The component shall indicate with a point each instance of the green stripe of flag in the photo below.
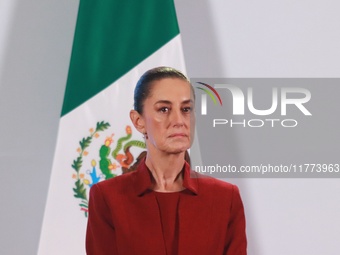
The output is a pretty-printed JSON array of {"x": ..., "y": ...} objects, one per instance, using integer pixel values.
[{"x": 111, "y": 38}]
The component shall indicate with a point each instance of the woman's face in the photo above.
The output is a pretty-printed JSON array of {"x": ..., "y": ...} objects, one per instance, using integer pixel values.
[{"x": 168, "y": 116}]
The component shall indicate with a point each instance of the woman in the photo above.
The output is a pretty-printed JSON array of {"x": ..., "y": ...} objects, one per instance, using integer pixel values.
[{"x": 164, "y": 208}]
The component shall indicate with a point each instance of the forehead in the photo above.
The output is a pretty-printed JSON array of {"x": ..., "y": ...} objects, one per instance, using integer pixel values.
[{"x": 171, "y": 88}]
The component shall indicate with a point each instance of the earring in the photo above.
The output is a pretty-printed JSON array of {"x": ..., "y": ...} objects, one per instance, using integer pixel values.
[{"x": 146, "y": 136}]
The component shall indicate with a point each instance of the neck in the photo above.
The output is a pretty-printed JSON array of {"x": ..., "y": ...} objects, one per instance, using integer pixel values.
[{"x": 166, "y": 171}]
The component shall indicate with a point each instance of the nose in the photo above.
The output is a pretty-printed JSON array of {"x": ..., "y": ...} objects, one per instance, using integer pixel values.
[{"x": 177, "y": 118}]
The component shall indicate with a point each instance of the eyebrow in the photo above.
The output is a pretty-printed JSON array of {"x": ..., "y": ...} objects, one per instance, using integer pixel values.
[{"x": 169, "y": 102}]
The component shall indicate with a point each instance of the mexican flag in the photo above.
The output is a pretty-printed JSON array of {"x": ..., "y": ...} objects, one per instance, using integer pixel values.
[{"x": 115, "y": 42}]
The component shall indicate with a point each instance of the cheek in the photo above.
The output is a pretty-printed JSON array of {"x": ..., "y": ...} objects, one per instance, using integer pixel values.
[
  {"x": 155, "y": 125},
  {"x": 192, "y": 119}
]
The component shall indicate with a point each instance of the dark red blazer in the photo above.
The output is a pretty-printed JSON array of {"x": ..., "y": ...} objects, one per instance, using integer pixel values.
[{"x": 124, "y": 217}]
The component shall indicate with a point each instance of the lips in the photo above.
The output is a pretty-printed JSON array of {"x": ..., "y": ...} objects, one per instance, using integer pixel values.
[{"x": 178, "y": 135}]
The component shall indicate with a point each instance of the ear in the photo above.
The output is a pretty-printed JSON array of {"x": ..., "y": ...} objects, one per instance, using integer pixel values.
[{"x": 137, "y": 121}]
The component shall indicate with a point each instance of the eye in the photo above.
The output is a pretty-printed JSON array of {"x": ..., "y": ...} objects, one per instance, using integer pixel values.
[
  {"x": 187, "y": 109},
  {"x": 164, "y": 109}
]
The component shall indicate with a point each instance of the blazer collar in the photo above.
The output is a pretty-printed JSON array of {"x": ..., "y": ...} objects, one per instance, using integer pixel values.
[{"x": 143, "y": 179}]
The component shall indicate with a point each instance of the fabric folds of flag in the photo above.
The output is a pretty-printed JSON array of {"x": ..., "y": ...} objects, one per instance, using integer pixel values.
[{"x": 115, "y": 42}]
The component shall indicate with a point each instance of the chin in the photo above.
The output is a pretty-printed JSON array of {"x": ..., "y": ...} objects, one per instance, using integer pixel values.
[{"x": 179, "y": 149}]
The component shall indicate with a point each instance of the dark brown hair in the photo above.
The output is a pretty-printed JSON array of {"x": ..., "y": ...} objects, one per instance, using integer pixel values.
[{"x": 143, "y": 87}]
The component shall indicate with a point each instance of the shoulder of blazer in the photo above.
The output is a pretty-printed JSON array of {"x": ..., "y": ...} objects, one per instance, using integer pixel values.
[
  {"x": 119, "y": 184},
  {"x": 216, "y": 187}
]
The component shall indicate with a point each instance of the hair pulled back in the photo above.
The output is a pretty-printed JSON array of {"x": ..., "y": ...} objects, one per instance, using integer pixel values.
[{"x": 145, "y": 82}]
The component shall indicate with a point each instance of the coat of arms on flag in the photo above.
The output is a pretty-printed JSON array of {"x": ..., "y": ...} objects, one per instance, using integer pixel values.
[{"x": 107, "y": 158}]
